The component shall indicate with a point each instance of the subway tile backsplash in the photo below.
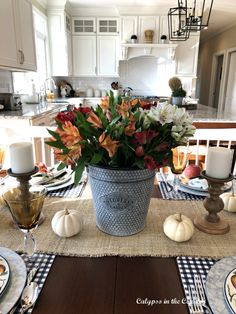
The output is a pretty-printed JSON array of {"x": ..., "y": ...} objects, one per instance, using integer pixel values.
[
  {"x": 5, "y": 82},
  {"x": 145, "y": 75}
]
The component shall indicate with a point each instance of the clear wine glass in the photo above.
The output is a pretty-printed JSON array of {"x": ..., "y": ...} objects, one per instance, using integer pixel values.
[
  {"x": 179, "y": 162},
  {"x": 26, "y": 212}
]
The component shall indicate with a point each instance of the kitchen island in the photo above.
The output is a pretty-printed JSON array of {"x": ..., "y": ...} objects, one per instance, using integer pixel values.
[{"x": 203, "y": 116}]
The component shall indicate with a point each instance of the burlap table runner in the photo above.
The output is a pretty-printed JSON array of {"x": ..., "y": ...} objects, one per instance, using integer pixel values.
[{"x": 150, "y": 242}]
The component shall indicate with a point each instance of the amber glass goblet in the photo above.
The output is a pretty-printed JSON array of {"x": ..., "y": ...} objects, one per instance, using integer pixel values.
[
  {"x": 179, "y": 162},
  {"x": 2, "y": 155},
  {"x": 26, "y": 212}
]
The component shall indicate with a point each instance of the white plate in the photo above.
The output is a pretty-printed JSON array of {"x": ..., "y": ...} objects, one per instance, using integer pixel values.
[
  {"x": 215, "y": 285},
  {"x": 64, "y": 185},
  {"x": 4, "y": 274},
  {"x": 58, "y": 178},
  {"x": 40, "y": 178},
  {"x": 201, "y": 185},
  {"x": 17, "y": 279},
  {"x": 187, "y": 189},
  {"x": 230, "y": 290}
]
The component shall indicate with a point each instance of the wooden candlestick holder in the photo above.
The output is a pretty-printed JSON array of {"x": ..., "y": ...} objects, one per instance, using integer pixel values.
[
  {"x": 212, "y": 223},
  {"x": 23, "y": 179}
]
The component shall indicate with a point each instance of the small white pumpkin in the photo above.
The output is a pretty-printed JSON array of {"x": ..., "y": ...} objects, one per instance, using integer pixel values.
[
  {"x": 229, "y": 200},
  {"x": 66, "y": 223},
  {"x": 178, "y": 227}
]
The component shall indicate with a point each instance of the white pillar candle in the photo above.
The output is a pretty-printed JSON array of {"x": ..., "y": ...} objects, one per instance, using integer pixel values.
[
  {"x": 219, "y": 162},
  {"x": 21, "y": 157}
]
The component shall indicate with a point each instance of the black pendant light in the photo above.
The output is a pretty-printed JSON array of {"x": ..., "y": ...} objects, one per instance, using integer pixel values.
[
  {"x": 198, "y": 14},
  {"x": 177, "y": 18}
]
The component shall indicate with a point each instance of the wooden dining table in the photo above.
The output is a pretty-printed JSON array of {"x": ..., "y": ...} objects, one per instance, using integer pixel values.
[{"x": 113, "y": 285}]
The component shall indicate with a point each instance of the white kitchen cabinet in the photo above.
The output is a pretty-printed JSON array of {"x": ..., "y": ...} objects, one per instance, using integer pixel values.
[
  {"x": 84, "y": 55},
  {"x": 17, "y": 35},
  {"x": 186, "y": 56},
  {"x": 83, "y": 25},
  {"x": 128, "y": 27},
  {"x": 107, "y": 26},
  {"x": 94, "y": 54},
  {"x": 60, "y": 42},
  {"x": 148, "y": 23},
  {"x": 107, "y": 55}
]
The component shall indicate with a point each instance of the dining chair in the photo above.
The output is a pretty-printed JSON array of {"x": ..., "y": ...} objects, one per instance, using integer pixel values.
[
  {"x": 37, "y": 135},
  {"x": 204, "y": 138}
]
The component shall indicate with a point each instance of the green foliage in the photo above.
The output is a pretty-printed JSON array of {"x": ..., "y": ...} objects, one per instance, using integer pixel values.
[{"x": 179, "y": 92}]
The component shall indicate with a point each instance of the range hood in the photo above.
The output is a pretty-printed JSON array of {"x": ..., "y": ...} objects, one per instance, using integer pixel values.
[{"x": 166, "y": 51}]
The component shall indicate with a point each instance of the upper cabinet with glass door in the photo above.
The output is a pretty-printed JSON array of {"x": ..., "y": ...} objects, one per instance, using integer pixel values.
[
  {"x": 107, "y": 26},
  {"x": 83, "y": 25},
  {"x": 17, "y": 35}
]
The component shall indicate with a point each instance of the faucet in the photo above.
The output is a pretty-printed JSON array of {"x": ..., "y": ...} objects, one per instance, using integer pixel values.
[{"x": 46, "y": 84}]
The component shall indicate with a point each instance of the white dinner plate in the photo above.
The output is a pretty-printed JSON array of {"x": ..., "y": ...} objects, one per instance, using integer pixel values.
[
  {"x": 59, "y": 178},
  {"x": 17, "y": 279},
  {"x": 40, "y": 178},
  {"x": 4, "y": 274},
  {"x": 63, "y": 185},
  {"x": 230, "y": 290},
  {"x": 215, "y": 285},
  {"x": 200, "y": 185},
  {"x": 186, "y": 189}
]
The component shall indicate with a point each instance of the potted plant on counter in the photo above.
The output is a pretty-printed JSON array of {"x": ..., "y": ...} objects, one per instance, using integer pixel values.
[
  {"x": 178, "y": 93},
  {"x": 163, "y": 39},
  {"x": 133, "y": 39},
  {"x": 122, "y": 145}
]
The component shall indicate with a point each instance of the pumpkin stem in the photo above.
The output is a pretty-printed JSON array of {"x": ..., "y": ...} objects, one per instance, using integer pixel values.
[
  {"x": 179, "y": 217},
  {"x": 66, "y": 211}
]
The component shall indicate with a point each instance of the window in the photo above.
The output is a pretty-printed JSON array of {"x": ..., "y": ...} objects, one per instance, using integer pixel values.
[{"x": 23, "y": 81}]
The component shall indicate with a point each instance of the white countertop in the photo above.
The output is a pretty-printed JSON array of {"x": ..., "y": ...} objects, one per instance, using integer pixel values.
[{"x": 29, "y": 111}]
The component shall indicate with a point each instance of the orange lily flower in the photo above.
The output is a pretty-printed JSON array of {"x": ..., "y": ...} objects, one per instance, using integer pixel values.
[
  {"x": 105, "y": 103},
  {"x": 62, "y": 157},
  {"x": 75, "y": 152},
  {"x": 134, "y": 102},
  {"x": 108, "y": 144},
  {"x": 70, "y": 134},
  {"x": 123, "y": 109},
  {"x": 94, "y": 119},
  {"x": 130, "y": 129}
]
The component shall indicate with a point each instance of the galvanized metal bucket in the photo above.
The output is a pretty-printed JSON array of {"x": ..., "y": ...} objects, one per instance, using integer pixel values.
[{"x": 121, "y": 199}]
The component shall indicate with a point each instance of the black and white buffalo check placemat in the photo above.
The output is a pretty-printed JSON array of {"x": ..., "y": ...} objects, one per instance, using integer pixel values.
[
  {"x": 41, "y": 261},
  {"x": 69, "y": 191},
  {"x": 190, "y": 266},
  {"x": 168, "y": 193}
]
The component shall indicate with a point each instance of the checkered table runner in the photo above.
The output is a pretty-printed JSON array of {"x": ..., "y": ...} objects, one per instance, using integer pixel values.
[
  {"x": 41, "y": 261},
  {"x": 69, "y": 191},
  {"x": 167, "y": 191},
  {"x": 190, "y": 266}
]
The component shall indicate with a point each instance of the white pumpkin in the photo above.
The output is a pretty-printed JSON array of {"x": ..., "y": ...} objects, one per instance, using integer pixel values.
[
  {"x": 66, "y": 223},
  {"x": 178, "y": 227},
  {"x": 229, "y": 200}
]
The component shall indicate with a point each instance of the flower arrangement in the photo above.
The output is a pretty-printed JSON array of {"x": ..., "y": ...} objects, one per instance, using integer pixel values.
[{"x": 119, "y": 133}]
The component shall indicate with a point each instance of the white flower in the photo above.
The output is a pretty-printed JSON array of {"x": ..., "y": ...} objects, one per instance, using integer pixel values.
[{"x": 163, "y": 113}]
